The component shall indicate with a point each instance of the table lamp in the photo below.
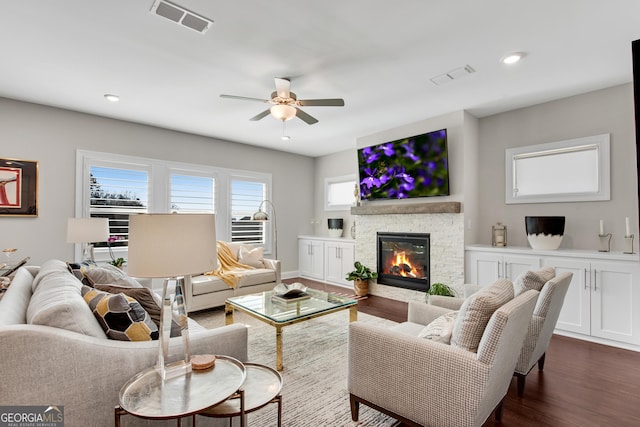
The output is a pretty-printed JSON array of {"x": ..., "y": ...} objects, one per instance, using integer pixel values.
[
  {"x": 87, "y": 231},
  {"x": 171, "y": 246}
]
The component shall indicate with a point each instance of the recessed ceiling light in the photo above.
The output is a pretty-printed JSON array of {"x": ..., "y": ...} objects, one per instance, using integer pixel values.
[
  {"x": 111, "y": 98},
  {"x": 285, "y": 137},
  {"x": 512, "y": 58}
]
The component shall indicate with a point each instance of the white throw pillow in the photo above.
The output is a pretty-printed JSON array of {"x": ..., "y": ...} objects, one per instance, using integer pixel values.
[
  {"x": 252, "y": 257},
  {"x": 440, "y": 329}
]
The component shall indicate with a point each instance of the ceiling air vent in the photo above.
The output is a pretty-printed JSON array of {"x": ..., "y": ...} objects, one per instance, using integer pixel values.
[
  {"x": 451, "y": 75},
  {"x": 181, "y": 16}
]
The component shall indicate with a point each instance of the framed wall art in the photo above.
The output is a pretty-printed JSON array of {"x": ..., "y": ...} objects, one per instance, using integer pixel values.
[{"x": 18, "y": 187}]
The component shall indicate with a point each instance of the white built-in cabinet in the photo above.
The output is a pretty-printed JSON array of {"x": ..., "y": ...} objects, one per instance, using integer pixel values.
[
  {"x": 326, "y": 259},
  {"x": 603, "y": 300}
]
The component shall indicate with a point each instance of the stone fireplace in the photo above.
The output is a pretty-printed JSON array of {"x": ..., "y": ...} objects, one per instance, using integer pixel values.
[{"x": 445, "y": 226}]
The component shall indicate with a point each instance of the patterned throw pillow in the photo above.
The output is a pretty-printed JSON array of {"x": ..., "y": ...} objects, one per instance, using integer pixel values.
[
  {"x": 533, "y": 280},
  {"x": 440, "y": 329},
  {"x": 476, "y": 312},
  {"x": 121, "y": 316},
  {"x": 252, "y": 257},
  {"x": 149, "y": 300}
]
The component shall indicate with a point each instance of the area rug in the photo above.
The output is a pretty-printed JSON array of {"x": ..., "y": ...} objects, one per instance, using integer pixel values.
[{"x": 315, "y": 369}]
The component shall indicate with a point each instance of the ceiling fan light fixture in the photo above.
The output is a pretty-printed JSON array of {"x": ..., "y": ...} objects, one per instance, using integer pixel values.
[{"x": 283, "y": 112}]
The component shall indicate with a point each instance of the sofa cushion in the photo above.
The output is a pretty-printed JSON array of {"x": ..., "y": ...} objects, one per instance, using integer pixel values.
[
  {"x": 109, "y": 274},
  {"x": 51, "y": 266},
  {"x": 440, "y": 329},
  {"x": 256, "y": 277},
  {"x": 121, "y": 317},
  {"x": 251, "y": 256},
  {"x": 57, "y": 302},
  {"x": 14, "y": 303},
  {"x": 532, "y": 280},
  {"x": 476, "y": 312},
  {"x": 206, "y": 284}
]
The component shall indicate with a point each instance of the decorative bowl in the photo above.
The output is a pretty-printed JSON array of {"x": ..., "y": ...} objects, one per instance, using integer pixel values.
[
  {"x": 544, "y": 232},
  {"x": 287, "y": 291}
]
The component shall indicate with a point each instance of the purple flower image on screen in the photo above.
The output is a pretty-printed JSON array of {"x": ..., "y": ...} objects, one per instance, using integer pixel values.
[{"x": 410, "y": 167}]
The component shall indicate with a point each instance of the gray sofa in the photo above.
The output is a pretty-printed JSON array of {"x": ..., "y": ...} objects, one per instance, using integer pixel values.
[
  {"x": 54, "y": 352},
  {"x": 205, "y": 291}
]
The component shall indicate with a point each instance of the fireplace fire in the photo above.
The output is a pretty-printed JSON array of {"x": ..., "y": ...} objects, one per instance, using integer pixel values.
[{"x": 403, "y": 260}]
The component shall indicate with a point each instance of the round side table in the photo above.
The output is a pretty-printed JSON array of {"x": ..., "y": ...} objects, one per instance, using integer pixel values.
[
  {"x": 146, "y": 395},
  {"x": 261, "y": 387}
]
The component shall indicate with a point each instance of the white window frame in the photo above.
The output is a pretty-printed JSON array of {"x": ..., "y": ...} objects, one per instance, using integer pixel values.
[
  {"x": 550, "y": 154},
  {"x": 338, "y": 180},
  {"x": 269, "y": 227},
  {"x": 159, "y": 188}
]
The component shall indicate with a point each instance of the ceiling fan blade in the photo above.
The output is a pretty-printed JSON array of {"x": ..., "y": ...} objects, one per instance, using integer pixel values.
[
  {"x": 262, "y": 115},
  {"x": 305, "y": 117},
  {"x": 244, "y": 98},
  {"x": 283, "y": 87},
  {"x": 336, "y": 102}
]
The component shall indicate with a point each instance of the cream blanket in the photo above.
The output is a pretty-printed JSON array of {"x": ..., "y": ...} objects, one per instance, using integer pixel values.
[{"x": 230, "y": 269}]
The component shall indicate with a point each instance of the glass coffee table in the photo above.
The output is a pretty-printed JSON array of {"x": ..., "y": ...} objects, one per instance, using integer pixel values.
[{"x": 275, "y": 312}]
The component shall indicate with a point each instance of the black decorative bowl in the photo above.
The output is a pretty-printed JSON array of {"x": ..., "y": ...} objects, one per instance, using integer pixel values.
[{"x": 544, "y": 232}]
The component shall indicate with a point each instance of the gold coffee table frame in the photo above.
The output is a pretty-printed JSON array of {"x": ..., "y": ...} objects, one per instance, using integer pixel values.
[{"x": 279, "y": 314}]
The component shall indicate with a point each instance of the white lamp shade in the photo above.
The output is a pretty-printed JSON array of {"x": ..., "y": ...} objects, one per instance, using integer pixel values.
[
  {"x": 171, "y": 245},
  {"x": 283, "y": 112},
  {"x": 87, "y": 230}
]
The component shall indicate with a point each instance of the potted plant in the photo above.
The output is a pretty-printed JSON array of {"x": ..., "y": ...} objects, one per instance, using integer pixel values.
[
  {"x": 360, "y": 277},
  {"x": 440, "y": 289}
]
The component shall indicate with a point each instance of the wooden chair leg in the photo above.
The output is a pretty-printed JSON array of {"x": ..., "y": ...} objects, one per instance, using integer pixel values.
[
  {"x": 355, "y": 407},
  {"x": 498, "y": 411},
  {"x": 541, "y": 362},
  {"x": 521, "y": 380}
]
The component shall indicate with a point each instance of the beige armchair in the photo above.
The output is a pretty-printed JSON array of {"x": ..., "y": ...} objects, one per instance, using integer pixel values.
[
  {"x": 422, "y": 382},
  {"x": 543, "y": 322}
]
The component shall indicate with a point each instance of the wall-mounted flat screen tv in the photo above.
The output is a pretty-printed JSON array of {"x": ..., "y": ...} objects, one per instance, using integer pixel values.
[{"x": 416, "y": 166}]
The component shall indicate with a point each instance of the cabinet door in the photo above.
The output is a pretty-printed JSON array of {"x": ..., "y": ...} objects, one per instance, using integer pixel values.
[
  {"x": 514, "y": 265},
  {"x": 576, "y": 313},
  {"x": 338, "y": 261},
  {"x": 615, "y": 302},
  {"x": 482, "y": 268},
  {"x": 310, "y": 258}
]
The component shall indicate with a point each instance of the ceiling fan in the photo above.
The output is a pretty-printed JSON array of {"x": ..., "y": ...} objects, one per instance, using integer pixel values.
[{"x": 285, "y": 103}]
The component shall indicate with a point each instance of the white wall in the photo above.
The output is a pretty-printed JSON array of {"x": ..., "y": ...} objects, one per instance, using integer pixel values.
[
  {"x": 603, "y": 111},
  {"x": 334, "y": 165},
  {"x": 51, "y": 136}
]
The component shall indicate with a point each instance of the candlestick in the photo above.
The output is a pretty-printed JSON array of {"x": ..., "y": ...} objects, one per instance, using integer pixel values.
[
  {"x": 627, "y": 228},
  {"x": 605, "y": 242},
  {"x": 628, "y": 243}
]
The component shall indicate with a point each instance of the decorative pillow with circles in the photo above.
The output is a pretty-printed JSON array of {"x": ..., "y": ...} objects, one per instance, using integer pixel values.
[
  {"x": 440, "y": 329},
  {"x": 251, "y": 256}
]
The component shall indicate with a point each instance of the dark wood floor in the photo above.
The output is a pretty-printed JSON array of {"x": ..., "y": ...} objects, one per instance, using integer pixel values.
[{"x": 583, "y": 384}]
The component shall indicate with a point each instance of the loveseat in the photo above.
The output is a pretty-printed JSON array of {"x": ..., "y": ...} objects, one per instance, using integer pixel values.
[
  {"x": 54, "y": 352},
  {"x": 206, "y": 291}
]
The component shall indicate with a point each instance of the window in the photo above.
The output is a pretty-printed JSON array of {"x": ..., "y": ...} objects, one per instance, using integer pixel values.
[
  {"x": 565, "y": 171},
  {"x": 246, "y": 198},
  {"x": 116, "y": 186},
  {"x": 339, "y": 193},
  {"x": 192, "y": 193},
  {"x": 116, "y": 193}
]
